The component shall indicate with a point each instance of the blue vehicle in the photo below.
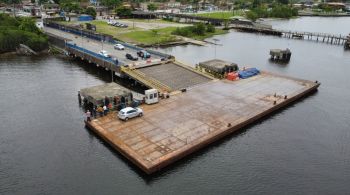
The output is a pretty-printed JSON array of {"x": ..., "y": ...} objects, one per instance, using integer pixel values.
[{"x": 143, "y": 54}]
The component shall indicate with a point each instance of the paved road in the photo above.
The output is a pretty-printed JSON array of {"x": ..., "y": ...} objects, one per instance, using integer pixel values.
[{"x": 97, "y": 46}]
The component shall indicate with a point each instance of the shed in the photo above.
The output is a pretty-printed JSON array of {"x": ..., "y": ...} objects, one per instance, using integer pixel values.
[
  {"x": 218, "y": 67},
  {"x": 97, "y": 94}
]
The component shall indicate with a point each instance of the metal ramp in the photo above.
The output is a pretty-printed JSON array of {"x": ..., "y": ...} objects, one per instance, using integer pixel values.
[{"x": 146, "y": 80}]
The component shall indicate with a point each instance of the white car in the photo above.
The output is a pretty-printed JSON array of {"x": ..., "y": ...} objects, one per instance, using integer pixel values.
[
  {"x": 129, "y": 112},
  {"x": 119, "y": 46},
  {"x": 104, "y": 54}
]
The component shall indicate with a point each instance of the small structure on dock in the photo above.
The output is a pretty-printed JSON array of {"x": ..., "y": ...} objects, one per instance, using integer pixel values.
[
  {"x": 280, "y": 55},
  {"x": 97, "y": 94},
  {"x": 217, "y": 68}
]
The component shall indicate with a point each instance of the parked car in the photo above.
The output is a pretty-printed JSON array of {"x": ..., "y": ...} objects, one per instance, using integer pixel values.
[
  {"x": 104, "y": 54},
  {"x": 131, "y": 57},
  {"x": 129, "y": 112},
  {"x": 119, "y": 46},
  {"x": 143, "y": 54}
]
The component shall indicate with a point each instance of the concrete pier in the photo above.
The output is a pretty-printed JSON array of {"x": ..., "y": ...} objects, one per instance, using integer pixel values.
[{"x": 186, "y": 122}]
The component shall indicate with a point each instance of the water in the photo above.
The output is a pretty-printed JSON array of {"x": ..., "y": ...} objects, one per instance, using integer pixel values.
[{"x": 303, "y": 149}]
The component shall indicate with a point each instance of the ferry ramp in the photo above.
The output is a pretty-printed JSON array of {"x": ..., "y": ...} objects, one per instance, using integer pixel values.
[{"x": 175, "y": 75}]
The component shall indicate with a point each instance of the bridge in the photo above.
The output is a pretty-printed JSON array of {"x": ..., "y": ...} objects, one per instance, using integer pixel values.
[{"x": 161, "y": 71}]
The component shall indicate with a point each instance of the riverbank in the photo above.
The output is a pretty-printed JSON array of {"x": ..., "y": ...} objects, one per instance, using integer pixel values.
[{"x": 20, "y": 30}]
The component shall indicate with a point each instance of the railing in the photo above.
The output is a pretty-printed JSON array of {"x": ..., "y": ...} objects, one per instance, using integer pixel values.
[{"x": 115, "y": 62}]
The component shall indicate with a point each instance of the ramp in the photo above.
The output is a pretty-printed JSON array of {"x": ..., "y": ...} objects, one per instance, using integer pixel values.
[{"x": 175, "y": 75}]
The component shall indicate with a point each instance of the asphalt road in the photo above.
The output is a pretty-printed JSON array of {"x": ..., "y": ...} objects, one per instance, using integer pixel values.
[{"x": 97, "y": 46}]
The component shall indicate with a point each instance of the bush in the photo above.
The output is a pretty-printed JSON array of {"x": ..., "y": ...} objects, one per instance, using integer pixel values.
[
  {"x": 210, "y": 28},
  {"x": 198, "y": 29},
  {"x": 123, "y": 11},
  {"x": 90, "y": 11}
]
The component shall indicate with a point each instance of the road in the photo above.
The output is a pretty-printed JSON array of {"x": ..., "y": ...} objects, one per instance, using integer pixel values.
[{"x": 97, "y": 46}]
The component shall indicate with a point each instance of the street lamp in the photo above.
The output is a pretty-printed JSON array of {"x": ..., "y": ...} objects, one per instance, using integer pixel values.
[{"x": 215, "y": 40}]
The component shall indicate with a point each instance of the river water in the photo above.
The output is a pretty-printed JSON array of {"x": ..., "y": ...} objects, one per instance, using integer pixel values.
[{"x": 302, "y": 149}]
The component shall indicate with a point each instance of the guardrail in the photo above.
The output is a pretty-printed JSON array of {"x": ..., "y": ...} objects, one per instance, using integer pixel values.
[{"x": 96, "y": 55}]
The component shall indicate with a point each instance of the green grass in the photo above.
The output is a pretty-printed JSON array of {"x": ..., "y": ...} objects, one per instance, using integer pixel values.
[
  {"x": 149, "y": 21},
  {"x": 103, "y": 27},
  {"x": 149, "y": 37},
  {"x": 221, "y": 15},
  {"x": 160, "y": 36}
]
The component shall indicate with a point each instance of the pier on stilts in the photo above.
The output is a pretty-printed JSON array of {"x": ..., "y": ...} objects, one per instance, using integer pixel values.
[{"x": 312, "y": 36}]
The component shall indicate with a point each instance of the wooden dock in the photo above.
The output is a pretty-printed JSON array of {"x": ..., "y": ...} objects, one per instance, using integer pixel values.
[
  {"x": 189, "y": 121},
  {"x": 318, "y": 37}
]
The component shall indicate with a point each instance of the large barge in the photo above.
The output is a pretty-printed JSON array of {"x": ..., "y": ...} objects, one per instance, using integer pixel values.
[{"x": 189, "y": 121}]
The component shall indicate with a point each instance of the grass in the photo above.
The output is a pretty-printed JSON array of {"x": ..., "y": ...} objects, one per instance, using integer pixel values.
[
  {"x": 221, "y": 15},
  {"x": 143, "y": 37},
  {"x": 103, "y": 27},
  {"x": 149, "y": 37},
  {"x": 148, "y": 21}
]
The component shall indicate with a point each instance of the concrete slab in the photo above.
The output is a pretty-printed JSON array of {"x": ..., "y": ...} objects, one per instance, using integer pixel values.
[{"x": 186, "y": 122}]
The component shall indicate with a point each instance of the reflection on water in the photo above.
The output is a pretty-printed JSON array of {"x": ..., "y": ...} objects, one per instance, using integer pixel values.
[{"x": 303, "y": 149}]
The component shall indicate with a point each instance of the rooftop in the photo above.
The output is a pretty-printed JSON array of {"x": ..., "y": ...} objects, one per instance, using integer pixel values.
[{"x": 99, "y": 92}]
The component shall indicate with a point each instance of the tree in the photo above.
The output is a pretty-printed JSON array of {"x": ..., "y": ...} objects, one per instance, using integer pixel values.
[
  {"x": 152, "y": 7},
  {"x": 90, "y": 11},
  {"x": 123, "y": 11},
  {"x": 111, "y": 4},
  {"x": 28, "y": 24},
  {"x": 283, "y": 1}
]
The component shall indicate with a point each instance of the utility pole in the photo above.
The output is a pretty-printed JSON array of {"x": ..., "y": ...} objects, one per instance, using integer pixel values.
[{"x": 215, "y": 40}]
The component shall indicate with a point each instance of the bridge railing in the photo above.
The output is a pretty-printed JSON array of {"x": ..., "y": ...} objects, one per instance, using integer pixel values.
[{"x": 96, "y": 55}]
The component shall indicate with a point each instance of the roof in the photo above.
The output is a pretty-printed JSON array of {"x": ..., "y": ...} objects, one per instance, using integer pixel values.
[
  {"x": 216, "y": 63},
  {"x": 126, "y": 109},
  {"x": 99, "y": 92}
]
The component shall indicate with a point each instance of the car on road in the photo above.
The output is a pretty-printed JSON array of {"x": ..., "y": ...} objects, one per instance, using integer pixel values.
[
  {"x": 143, "y": 54},
  {"x": 131, "y": 57},
  {"x": 119, "y": 46},
  {"x": 129, "y": 112},
  {"x": 104, "y": 54}
]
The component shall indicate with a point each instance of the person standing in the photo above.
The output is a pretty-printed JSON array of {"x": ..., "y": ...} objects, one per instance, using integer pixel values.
[
  {"x": 106, "y": 101},
  {"x": 105, "y": 110},
  {"x": 94, "y": 114},
  {"x": 79, "y": 98},
  {"x": 88, "y": 115}
]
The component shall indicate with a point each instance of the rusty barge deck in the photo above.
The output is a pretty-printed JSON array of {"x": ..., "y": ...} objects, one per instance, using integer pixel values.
[{"x": 186, "y": 122}]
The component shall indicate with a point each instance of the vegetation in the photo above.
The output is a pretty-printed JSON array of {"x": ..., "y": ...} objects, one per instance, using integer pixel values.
[
  {"x": 198, "y": 31},
  {"x": 15, "y": 31},
  {"x": 90, "y": 11},
  {"x": 123, "y": 11},
  {"x": 278, "y": 11},
  {"x": 152, "y": 7},
  {"x": 221, "y": 15},
  {"x": 149, "y": 37},
  {"x": 111, "y": 4}
]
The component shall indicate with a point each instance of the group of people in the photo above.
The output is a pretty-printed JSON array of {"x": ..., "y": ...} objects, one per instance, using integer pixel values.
[
  {"x": 93, "y": 111},
  {"x": 101, "y": 110}
]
